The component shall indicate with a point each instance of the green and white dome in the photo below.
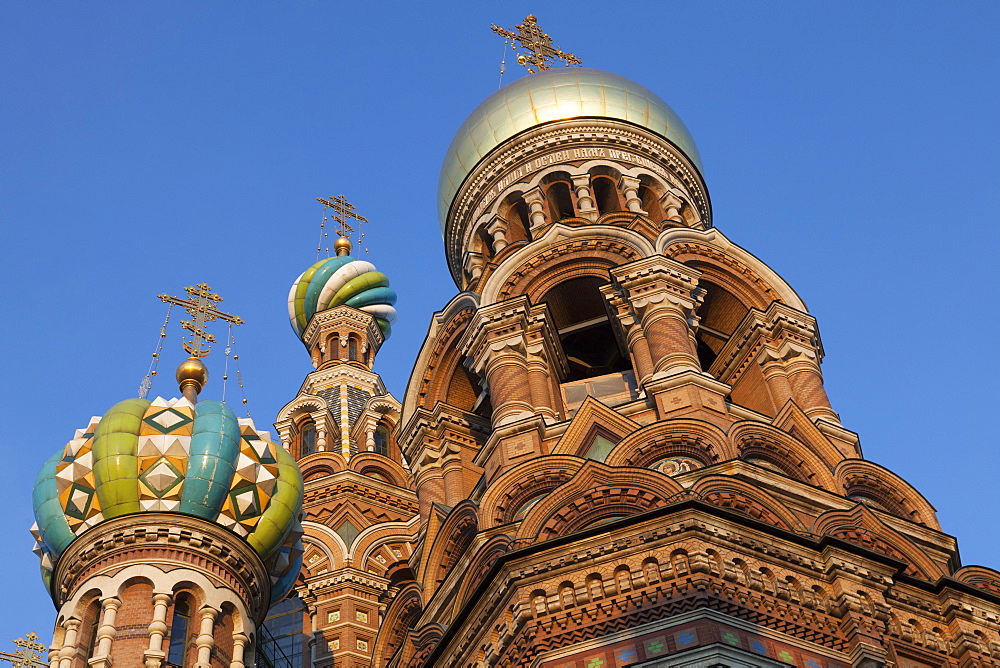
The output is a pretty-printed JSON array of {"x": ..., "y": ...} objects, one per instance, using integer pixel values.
[
  {"x": 341, "y": 280},
  {"x": 173, "y": 456}
]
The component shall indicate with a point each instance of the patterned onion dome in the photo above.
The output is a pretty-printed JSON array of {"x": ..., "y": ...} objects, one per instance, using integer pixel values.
[
  {"x": 173, "y": 456},
  {"x": 341, "y": 280},
  {"x": 554, "y": 95}
]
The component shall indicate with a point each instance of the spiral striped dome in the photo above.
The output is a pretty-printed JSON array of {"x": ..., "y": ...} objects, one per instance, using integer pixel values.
[
  {"x": 341, "y": 280},
  {"x": 173, "y": 456}
]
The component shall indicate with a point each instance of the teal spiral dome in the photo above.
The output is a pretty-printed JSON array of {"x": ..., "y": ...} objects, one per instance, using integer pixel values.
[
  {"x": 173, "y": 456},
  {"x": 341, "y": 280}
]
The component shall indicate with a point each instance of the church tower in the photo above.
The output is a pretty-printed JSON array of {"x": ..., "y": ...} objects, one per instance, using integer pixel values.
[
  {"x": 360, "y": 509},
  {"x": 621, "y": 446},
  {"x": 167, "y": 528}
]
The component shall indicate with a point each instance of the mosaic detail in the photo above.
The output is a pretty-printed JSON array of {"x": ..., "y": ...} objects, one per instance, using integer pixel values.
[{"x": 676, "y": 465}]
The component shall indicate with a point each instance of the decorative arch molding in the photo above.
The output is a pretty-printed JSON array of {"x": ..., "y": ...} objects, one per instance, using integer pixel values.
[
  {"x": 439, "y": 355},
  {"x": 511, "y": 491},
  {"x": 301, "y": 405},
  {"x": 591, "y": 251},
  {"x": 400, "y": 619},
  {"x": 734, "y": 268},
  {"x": 979, "y": 577},
  {"x": 792, "y": 420},
  {"x": 861, "y": 526},
  {"x": 328, "y": 540},
  {"x": 742, "y": 497},
  {"x": 451, "y": 541},
  {"x": 590, "y": 417},
  {"x": 865, "y": 479},
  {"x": 597, "y": 492},
  {"x": 678, "y": 437},
  {"x": 382, "y": 534},
  {"x": 753, "y": 439},
  {"x": 485, "y": 556},
  {"x": 321, "y": 464},
  {"x": 372, "y": 462}
]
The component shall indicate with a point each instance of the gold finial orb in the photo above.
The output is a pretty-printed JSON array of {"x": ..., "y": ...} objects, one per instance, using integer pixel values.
[
  {"x": 342, "y": 246},
  {"x": 192, "y": 375}
]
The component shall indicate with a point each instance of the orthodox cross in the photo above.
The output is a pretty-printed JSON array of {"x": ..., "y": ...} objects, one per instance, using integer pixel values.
[
  {"x": 201, "y": 305},
  {"x": 537, "y": 43},
  {"x": 29, "y": 652},
  {"x": 342, "y": 212}
]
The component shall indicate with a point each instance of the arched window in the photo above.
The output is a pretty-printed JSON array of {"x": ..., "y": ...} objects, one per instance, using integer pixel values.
[
  {"x": 179, "y": 628},
  {"x": 307, "y": 438},
  {"x": 352, "y": 349},
  {"x": 382, "y": 439}
]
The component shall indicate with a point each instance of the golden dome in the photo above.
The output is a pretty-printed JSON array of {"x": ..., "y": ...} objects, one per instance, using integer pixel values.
[{"x": 554, "y": 95}]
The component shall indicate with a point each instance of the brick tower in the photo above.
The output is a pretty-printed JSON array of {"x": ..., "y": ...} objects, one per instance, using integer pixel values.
[
  {"x": 621, "y": 445},
  {"x": 360, "y": 508}
]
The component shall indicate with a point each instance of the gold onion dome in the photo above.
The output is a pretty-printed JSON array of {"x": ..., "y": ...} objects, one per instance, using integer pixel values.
[{"x": 554, "y": 95}]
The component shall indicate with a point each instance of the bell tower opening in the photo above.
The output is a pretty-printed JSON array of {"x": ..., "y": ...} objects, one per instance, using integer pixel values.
[
  {"x": 585, "y": 331},
  {"x": 720, "y": 314}
]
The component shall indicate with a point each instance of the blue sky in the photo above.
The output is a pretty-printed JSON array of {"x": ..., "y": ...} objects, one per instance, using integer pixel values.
[{"x": 853, "y": 146}]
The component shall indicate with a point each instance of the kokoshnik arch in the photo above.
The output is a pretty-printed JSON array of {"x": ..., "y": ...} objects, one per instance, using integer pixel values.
[{"x": 615, "y": 449}]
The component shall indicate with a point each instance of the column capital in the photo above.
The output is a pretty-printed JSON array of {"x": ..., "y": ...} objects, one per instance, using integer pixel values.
[{"x": 658, "y": 280}]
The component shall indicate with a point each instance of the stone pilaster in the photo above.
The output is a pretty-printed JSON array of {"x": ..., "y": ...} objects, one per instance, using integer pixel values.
[
  {"x": 155, "y": 655},
  {"x": 535, "y": 199},
  {"x": 497, "y": 230},
  {"x": 105, "y": 633}
]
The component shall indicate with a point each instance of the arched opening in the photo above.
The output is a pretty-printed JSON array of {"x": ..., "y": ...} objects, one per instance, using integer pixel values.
[
  {"x": 382, "y": 439},
  {"x": 352, "y": 348},
  {"x": 606, "y": 194},
  {"x": 93, "y": 619},
  {"x": 558, "y": 195},
  {"x": 651, "y": 203},
  {"x": 515, "y": 211},
  {"x": 585, "y": 331},
  {"x": 180, "y": 626},
  {"x": 720, "y": 313},
  {"x": 306, "y": 438}
]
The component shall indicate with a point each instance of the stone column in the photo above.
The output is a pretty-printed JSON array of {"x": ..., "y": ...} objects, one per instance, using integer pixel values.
[
  {"x": 105, "y": 633},
  {"x": 497, "y": 229},
  {"x": 474, "y": 264},
  {"x": 535, "y": 199},
  {"x": 663, "y": 295},
  {"x": 239, "y": 649},
  {"x": 320, "y": 435},
  {"x": 68, "y": 651},
  {"x": 206, "y": 640},
  {"x": 370, "y": 439},
  {"x": 584, "y": 198},
  {"x": 629, "y": 185},
  {"x": 672, "y": 203},
  {"x": 155, "y": 655}
]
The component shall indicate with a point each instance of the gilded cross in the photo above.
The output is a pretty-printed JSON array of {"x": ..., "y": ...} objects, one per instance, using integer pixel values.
[
  {"x": 201, "y": 305},
  {"x": 537, "y": 43},
  {"x": 342, "y": 212},
  {"x": 29, "y": 652}
]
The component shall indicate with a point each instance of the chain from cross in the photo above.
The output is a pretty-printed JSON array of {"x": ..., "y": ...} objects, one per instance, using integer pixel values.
[
  {"x": 538, "y": 44},
  {"x": 202, "y": 306},
  {"x": 29, "y": 653},
  {"x": 342, "y": 212}
]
